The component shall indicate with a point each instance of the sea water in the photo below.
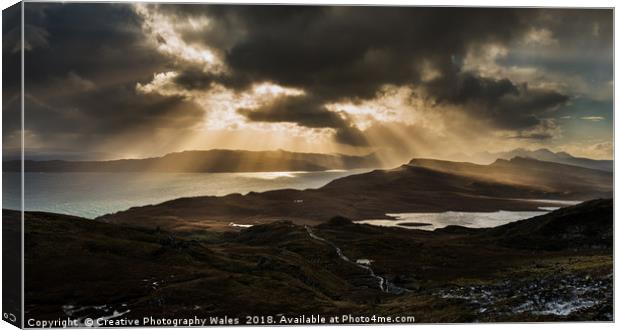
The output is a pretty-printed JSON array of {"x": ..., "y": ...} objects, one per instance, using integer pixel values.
[{"x": 94, "y": 194}]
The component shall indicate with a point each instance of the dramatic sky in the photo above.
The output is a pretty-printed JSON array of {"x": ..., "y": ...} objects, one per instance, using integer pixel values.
[{"x": 122, "y": 80}]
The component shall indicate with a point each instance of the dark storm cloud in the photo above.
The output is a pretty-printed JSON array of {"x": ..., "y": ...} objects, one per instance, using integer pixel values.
[
  {"x": 92, "y": 39},
  {"x": 82, "y": 66},
  {"x": 508, "y": 105},
  {"x": 307, "y": 111},
  {"x": 120, "y": 111},
  {"x": 465, "y": 88},
  {"x": 193, "y": 78},
  {"x": 84, "y": 60},
  {"x": 348, "y": 53},
  {"x": 295, "y": 108}
]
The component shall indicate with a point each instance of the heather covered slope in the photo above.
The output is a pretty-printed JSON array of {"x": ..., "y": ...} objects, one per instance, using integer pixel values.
[
  {"x": 421, "y": 186},
  {"x": 587, "y": 225},
  {"x": 73, "y": 264}
]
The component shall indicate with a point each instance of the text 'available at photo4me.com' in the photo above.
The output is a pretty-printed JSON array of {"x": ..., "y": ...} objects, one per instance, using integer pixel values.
[{"x": 315, "y": 319}]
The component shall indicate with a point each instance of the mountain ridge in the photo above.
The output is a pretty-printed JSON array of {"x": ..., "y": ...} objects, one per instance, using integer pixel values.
[
  {"x": 545, "y": 154},
  {"x": 418, "y": 187},
  {"x": 210, "y": 161},
  {"x": 530, "y": 172}
]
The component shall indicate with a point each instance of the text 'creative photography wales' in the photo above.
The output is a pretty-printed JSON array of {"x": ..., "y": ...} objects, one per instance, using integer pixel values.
[{"x": 175, "y": 164}]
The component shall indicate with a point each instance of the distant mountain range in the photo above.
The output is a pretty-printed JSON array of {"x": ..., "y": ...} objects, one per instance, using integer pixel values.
[
  {"x": 423, "y": 185},
  {"x": 548, "y": 156},
  {"x": 207, "y": 161}
]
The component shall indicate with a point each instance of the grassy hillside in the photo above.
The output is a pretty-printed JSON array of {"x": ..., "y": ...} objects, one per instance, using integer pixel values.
[{"x": 279, "y": 267}]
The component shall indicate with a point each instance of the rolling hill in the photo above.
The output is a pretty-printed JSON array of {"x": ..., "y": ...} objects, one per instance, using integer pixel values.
[
  {"x": 82, "y": 268},
  {"x": 420, "y": 186},
  {"x": 568, "y": 180}
]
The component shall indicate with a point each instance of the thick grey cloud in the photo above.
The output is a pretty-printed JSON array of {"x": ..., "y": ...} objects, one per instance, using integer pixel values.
[
  {"x": 507, "y": 105},
  {"x": 84, "y": 61},
  {"x": 307, "y": 111},
  {"x": 348, "y": 53},
  {"x": 81, "y": 69},
  {"x": 120, "y": 110}
]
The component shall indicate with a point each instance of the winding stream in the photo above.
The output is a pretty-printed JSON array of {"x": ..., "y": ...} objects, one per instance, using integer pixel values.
[{"x": 384, "y": 284}]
